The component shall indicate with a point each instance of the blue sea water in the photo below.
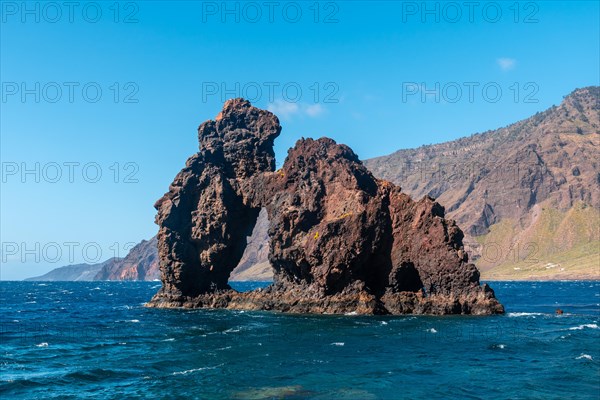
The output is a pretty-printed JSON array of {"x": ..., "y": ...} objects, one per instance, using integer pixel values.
[{"x": 62, "y": 340}]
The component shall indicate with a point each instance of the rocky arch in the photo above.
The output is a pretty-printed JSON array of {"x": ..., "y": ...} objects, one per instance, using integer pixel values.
[
  {"x": 206, "y": 215},
  {"x": 341, "y": 241},
  {"x": 254, "y": 264}
]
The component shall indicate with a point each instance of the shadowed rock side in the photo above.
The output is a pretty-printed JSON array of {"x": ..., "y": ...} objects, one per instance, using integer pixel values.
[
  {"x": 205, "y": 217},
  {"x": 341, "y": 241}
]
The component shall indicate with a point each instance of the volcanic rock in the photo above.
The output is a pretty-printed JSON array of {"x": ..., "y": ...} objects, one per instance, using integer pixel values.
[
  {"x": 205, "y": 217},
  {"x": 341, "y": 241}
]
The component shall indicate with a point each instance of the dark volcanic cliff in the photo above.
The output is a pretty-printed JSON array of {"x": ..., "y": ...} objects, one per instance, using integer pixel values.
[{"x": 341, "y": 241}]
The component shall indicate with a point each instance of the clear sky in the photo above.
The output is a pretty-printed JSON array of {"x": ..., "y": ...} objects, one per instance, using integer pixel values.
[{"x": 101, "y": 102}]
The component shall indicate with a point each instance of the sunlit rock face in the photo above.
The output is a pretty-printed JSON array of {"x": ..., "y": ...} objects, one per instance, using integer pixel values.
[{"x": 341, "y": 241}]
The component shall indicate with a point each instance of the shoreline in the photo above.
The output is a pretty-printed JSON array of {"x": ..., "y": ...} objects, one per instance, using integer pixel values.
[{"x": 482, "y": 279}]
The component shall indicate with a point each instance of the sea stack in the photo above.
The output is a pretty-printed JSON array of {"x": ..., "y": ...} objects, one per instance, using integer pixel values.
[{"x": 341, "y": 241}]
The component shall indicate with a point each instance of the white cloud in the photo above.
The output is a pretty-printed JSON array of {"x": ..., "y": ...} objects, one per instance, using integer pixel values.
[
  {"x": 287, "y": 110},
  {"x": 314, "y": 110},
  {"x": 506, "y": 64},
  {"x": 283, "y": 109}
]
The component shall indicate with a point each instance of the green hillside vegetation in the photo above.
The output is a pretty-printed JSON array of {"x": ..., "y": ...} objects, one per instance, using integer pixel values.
[{"x": 554, "y": 245}]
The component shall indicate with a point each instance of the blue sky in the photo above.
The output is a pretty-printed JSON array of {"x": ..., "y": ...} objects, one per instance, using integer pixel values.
[{"x": 378, "y": 76}]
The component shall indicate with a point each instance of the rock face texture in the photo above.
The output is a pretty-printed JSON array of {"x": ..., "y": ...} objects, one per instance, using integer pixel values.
[
  {"x": 526, "y": 195},
  {"x": 340, "y": 240},
  {"x": 206, "y": 216}
]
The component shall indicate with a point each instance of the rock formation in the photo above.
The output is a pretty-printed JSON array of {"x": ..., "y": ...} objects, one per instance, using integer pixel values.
[
  {"x": 526, "y": 195},
  {"x": 341, "y": 241},
  {"x": 206, "y": 216}
]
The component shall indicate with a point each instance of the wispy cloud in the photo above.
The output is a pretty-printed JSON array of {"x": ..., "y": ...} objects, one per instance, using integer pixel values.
[
  {"x": 287, "y": 110},
  {"x": 506, "y": 64},
  {"x": 283, "y": 109},
  {"x": 314, "y": 110}
]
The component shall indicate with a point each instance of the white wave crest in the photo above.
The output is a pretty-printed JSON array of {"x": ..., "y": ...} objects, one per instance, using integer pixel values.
[
  {"x": 189, "y": 371},
  {"x": 583, "y": 326},
  {"x": 523, "y": 314}
]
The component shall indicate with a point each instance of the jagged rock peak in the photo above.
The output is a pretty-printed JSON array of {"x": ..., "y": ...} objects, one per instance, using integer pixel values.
[{"x": 241, "y": 136}]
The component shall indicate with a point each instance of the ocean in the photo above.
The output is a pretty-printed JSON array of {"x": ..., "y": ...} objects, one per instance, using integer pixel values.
[{"x": 72, "y": 340}]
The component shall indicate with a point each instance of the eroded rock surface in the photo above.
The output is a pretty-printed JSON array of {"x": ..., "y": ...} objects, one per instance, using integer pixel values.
[
  {"x": 341, "y": 241},
  {"x": 205, "y": 217}
]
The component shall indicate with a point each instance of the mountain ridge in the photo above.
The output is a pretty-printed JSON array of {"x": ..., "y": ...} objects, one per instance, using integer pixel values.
[
  {"x": 513, "y": 178},
  {"x": 74, "y": 272}
]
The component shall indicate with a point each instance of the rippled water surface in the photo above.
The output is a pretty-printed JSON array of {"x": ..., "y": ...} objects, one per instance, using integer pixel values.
[{"x": 96, "y": 340}]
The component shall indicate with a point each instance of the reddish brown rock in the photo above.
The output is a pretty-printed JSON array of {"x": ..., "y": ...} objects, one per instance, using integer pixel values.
[
  {"x": 327, "y": 217},
  {"x": 430, "y": 269},
  {"x": 341, "y": 241},
  {"x": 205, "y": 217}
]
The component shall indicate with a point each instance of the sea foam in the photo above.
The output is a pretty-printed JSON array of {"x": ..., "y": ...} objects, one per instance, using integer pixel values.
[
  {"x": 583, "y": 326},
  {"x": 523, "y": 314}
]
